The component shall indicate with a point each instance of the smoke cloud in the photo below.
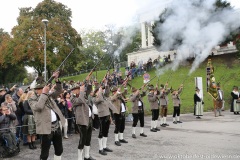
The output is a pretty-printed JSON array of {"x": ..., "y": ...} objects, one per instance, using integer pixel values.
[
  {"x": 126, "y": 39},
  {"x": 199, "y": 27}
]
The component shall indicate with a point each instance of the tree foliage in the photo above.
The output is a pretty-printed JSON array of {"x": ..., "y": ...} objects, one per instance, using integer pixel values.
[
  {"x": 61, "y": 37},
  {"x": 7, "y": 69}
]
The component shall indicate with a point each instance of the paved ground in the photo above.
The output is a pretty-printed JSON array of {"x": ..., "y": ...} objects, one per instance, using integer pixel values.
[{"x": 206, "y": 138}]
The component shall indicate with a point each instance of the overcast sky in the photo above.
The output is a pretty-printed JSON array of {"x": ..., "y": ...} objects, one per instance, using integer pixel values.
[{"x": 85, "y": 13}]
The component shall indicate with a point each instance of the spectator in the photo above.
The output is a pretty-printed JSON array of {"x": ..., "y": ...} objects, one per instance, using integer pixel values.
[
  {"x": 3, "y": 93},
  {"x": 20, "y": 112},
  {"x": 175, "y": 55},
  {"x": 149, "y": 64},
  {"x": 64, "y": 109},
  {"x": 29, "y": 127},
  {"x": 5, "y": 121},
  {"x": 68, "y": 102},
  {"x": 169, "y": 57},
  {"x": 12, "y": 107},
  {"x": 140, "y": 68},
  {"x": 235, "y": 96}
]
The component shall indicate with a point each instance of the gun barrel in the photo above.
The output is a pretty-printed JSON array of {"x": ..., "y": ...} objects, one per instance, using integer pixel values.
[
  {"x": 148, "y": 82},
  {"x": 51, "y": 78}
]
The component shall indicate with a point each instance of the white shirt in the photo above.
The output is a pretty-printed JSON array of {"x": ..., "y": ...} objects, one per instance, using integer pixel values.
[
  {"x": 220, "y": 94},
  {"x": 90, "y": 112},
  {"x": 53, "y": 116},
  {"x": 123, "y": 108},
  {"x": 139, "y": 103}
]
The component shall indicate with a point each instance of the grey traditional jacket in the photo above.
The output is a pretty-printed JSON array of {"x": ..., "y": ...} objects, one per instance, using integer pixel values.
[
  {"x": 176, "y": 98},
  {"x": 164, "y": 97},
  {"x": 153, "y": 100},
  {"x": 41, "y": 106},
  {"x": 81, "y": 109},
  {"x": 135, "y": 100},
  {"x": 100, "y": 102}
]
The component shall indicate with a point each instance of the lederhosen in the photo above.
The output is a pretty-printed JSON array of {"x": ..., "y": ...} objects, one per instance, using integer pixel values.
[
  {"x": 104, "y": 125},
  {"x": 140, "y": 115},
  {"x": 155, "y": 112},
  {"x": 85, "y": 133},
  {"x": 176, "y": 109},
  {"x": 164, "y": 107},
  {"x": 120, "y": 118}
]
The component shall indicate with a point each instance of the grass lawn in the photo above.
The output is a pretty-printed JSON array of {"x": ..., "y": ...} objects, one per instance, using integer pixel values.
[{"x": 226, "y": 72}]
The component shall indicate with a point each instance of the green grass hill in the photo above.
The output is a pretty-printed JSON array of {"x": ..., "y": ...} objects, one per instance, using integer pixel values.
[{"x": 226, "y": 72}]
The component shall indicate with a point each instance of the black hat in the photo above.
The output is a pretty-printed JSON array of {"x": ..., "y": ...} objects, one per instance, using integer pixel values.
[
  {"x": 75, "y": 86},
  {"x": 151, "y": 87},
  {"x": 114, "y": 89},
  {"x": 161, "y": 86},
  {"x": 38, "y": 83},
  {"x": 134, "y": 89},
  {"x": 235, "y": 87},
  {"x": 2, "y": 89}
]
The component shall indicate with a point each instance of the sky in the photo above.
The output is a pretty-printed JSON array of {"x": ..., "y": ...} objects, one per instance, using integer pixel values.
[{"x": 89, "y": 14}]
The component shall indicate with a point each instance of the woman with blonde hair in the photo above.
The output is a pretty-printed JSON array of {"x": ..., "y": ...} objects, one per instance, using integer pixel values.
[{"x": 29, "y": 127}]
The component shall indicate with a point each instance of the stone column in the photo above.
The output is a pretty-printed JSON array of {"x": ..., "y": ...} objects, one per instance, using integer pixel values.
[
  {"x": 143, "y": 28},
  {"x": 150, "y": 36},
  {"x": 149, "y": 40}
]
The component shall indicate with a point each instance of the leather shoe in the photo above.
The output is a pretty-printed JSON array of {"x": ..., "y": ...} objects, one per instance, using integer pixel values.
[
  {"x": 117, "y": 143},
  {"x": 134, "y": 136},
  {"x": 123, "y": 141},
  {"x": 162, "y": 125},
  {"x": 153, "y": 130},
  {"x": 143, "y": 135},
  {"x": 165, "y": 124},
  {"x": 175, "y": 122},
  {"x": 90, "y": 158},
  {"x": 157, "y": 129},
  {"x": 179, "y": 121},
  {"x": 102, "y": 152},
  {"x": 107, "y": 149}
]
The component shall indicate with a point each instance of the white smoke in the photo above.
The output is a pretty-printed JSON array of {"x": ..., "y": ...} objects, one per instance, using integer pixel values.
[
  {"x": 127, "y": 39},
  {"x": 33, "y": 84},
  {"x": 199, "y": 27}
]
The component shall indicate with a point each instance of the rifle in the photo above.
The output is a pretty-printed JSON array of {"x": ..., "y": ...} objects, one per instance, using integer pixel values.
[
  {"x": 185, "y": 79},
  {"x": 125, "y": 82},
  {"x": 158, "y": 81},
  {"x": 51, "y": 78},
  {"x": 169, "y": 76},
  {"x": 147, "y": 82},
  {"x": 88, "y": 76},
  {"x": 108, "y": 68}
]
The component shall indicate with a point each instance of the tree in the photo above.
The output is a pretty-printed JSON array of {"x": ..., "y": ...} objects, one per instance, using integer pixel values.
[
  {"x": 7, "y": 69},
  {"x": 133, "y": 45},
  {"x": 61, "y": 37},
  {"x": 93, "y": 44}
]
